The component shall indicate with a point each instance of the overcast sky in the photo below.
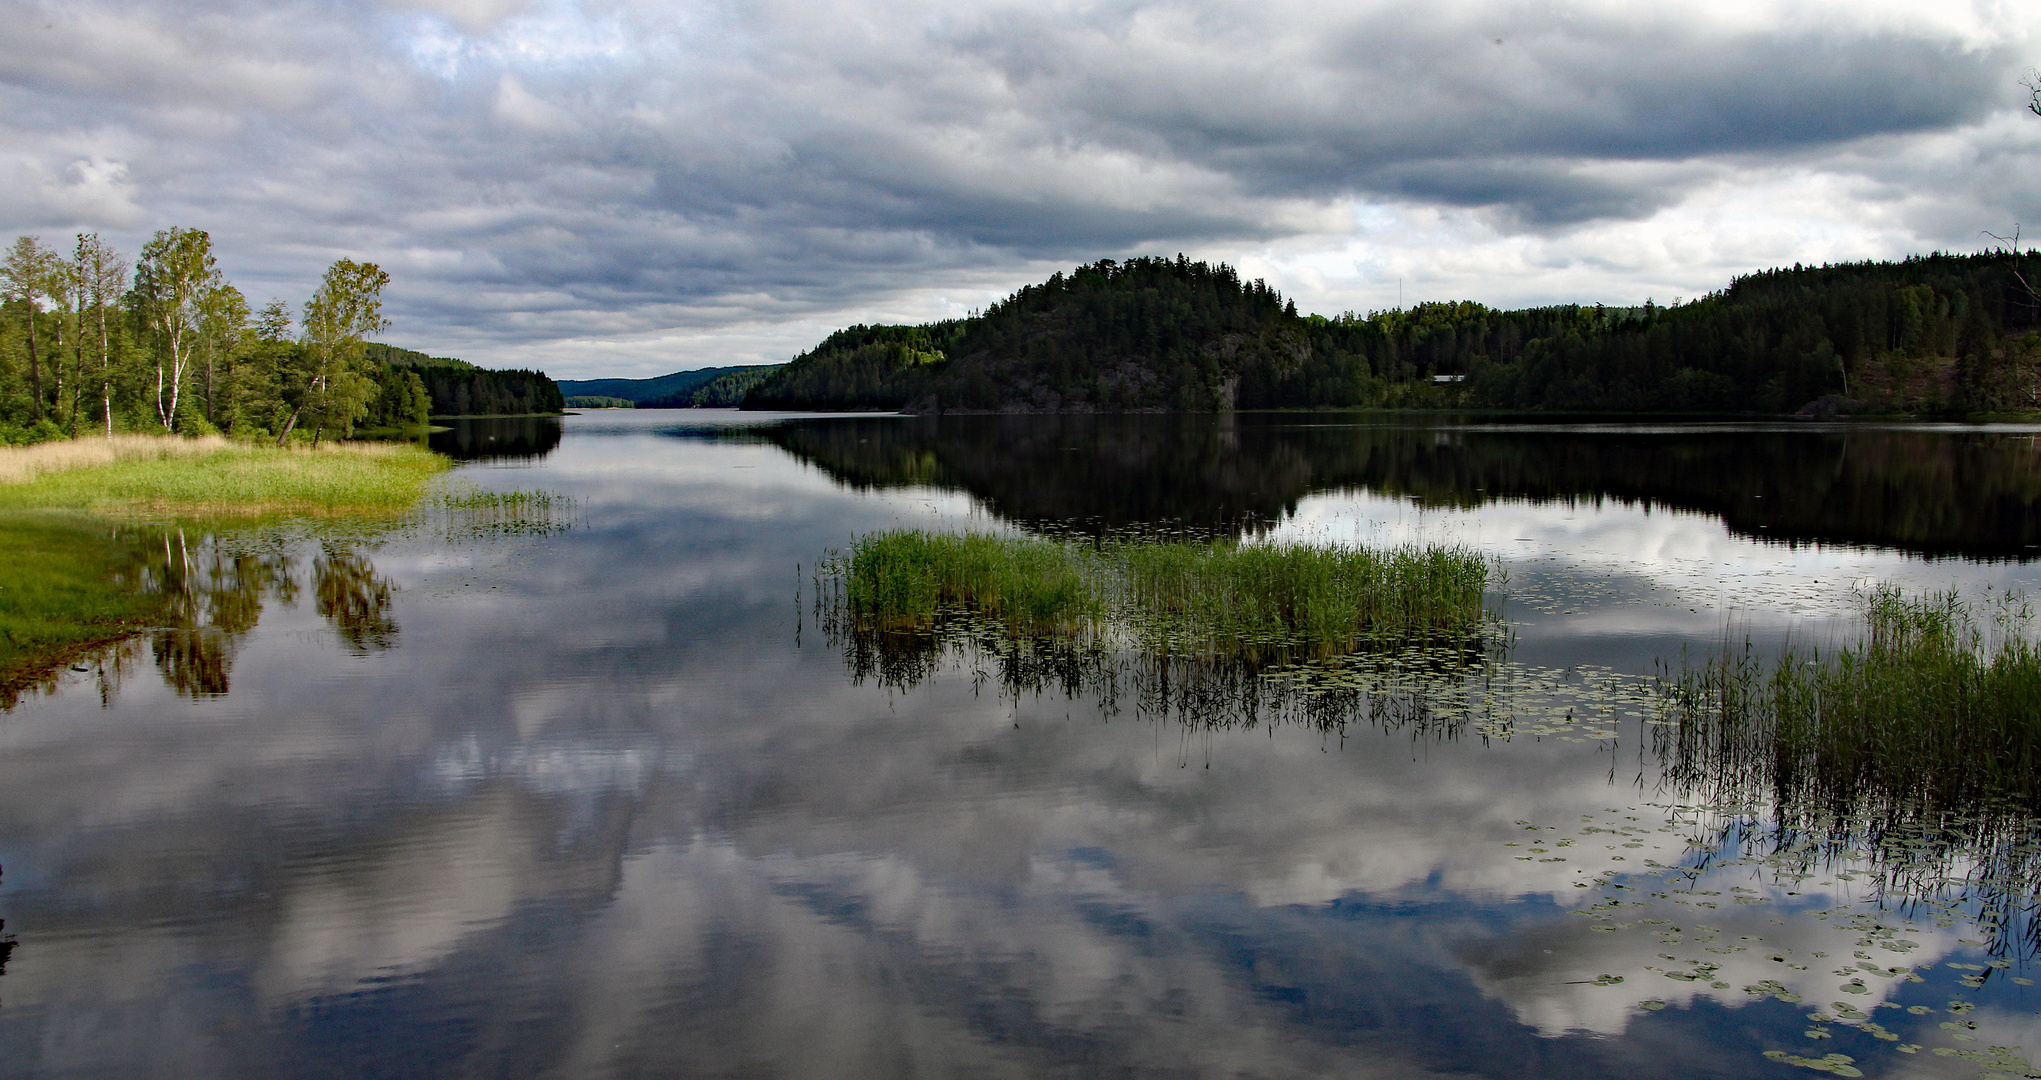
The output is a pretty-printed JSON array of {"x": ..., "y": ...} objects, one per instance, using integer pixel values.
[{"x": 629, "y": 187}]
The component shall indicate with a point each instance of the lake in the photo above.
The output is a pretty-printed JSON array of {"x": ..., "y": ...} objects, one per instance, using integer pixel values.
[{"x": 606, "y": 794}]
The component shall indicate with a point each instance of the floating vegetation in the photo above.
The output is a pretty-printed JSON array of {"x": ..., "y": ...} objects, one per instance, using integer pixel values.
[
  {"x": 460, "y": 509},
  {"x": 1911, "y": 753},
  {"x": 1841, "y": 824}
]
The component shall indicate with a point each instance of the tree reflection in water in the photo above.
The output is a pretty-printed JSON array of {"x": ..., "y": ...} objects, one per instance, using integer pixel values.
[
  {"x": 1974, "y": 494},
  {"x": 355, "y": 601},
  {"x": 211, "y": 592}
]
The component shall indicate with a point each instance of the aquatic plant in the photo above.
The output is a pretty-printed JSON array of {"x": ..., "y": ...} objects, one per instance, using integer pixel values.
[
  {"x": 1910, "y": 750},
  {"x": 1212, "y": 633},
  {"x": 458, "y": 509},
  {"x": 1219, "y": 597},
  {"x": 1927, "y": 712}
]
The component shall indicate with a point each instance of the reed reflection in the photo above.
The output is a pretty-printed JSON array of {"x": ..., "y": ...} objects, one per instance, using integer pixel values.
[{"x": 1912, "y": 753}]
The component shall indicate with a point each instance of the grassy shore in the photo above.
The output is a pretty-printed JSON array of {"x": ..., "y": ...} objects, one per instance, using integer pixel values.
[
  {"x": 167, "y": 477},
  {"x": 82, "y": 520}
]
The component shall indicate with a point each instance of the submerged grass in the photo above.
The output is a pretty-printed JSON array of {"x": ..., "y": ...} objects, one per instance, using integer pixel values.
[
  {"x": 199, "y": 478},
  {"x": 67, "y": 586}
]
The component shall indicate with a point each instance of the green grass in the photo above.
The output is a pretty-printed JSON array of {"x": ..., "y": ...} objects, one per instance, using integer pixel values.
[
  {"x": 82, "y": 539},
  {"x": 1931, "y": 710},
  {"x": 241, "y": 482},
  {"x": 1216, "y": 598},
  {"x": 68, "y": 585}
]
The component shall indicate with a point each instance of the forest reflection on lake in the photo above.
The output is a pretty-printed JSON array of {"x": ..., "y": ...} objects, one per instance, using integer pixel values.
[
  {"x": 1938, "y": 491},
  {"x": 607, "y": 801}
]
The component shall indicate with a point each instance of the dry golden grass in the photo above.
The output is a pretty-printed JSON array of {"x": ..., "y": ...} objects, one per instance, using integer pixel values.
[{"x": 22, "y": 464}]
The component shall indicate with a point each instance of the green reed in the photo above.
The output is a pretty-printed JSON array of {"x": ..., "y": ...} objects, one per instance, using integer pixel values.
[
  {"x": 1226, "y": 597},
  {"x": 1929, "y": 711},
  {"x": 910, "y": 579},
  {"x": 1213, "y": 634},
  {"x": 1218, "y": 597},
  {"x": 459, "y": 509}
]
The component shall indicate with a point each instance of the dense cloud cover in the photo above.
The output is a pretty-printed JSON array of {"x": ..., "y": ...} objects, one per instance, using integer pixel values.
[{"x": 627, "y": 187}]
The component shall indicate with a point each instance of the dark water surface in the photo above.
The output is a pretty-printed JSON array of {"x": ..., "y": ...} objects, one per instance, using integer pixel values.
[{"x": 607, "y": 802}]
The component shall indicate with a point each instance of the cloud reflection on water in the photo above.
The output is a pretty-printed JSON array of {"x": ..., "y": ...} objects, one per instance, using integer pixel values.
[{"x": 594, "y": 815}]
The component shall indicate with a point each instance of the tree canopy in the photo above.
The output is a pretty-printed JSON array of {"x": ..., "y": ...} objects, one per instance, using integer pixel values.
[
  {"x": 86, "y": 346},
  {"x": 1938, "y": 333}
]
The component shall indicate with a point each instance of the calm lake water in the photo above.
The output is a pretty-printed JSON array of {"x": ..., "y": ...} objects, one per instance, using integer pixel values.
[{"x": 603, "y": 799}]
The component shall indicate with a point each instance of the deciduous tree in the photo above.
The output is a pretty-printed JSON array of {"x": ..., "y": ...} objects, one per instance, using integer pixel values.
[
  {"x": 172, "y": 281},
  {"x": 346, "y": 309},
  {"x": 101, "y": 273}
]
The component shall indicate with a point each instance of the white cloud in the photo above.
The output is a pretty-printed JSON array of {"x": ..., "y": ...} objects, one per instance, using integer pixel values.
[{"x": 626, "y": 187}]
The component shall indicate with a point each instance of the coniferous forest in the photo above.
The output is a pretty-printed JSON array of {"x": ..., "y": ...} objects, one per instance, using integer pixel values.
[
  {"x": 95, "y": 341},
  {"x": 1936, "y": 334}
]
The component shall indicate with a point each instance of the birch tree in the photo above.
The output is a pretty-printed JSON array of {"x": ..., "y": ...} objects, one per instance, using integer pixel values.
[
  {"x": 173, "y": 278},
  {"x": 100, "y": 275}
]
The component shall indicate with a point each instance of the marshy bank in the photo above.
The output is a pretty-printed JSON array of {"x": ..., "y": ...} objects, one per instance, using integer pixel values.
[{"x": 108, "y": 543}]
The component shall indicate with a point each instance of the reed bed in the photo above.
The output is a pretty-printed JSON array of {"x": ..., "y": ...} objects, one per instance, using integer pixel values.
[
  {"x": 1931, "y": 711},
  {"x": 459, "y": 510},
  {"x": 1179, "y": 596},
  {"x": 22, "y": 464},
  {"x": 1212, "y": 634}
]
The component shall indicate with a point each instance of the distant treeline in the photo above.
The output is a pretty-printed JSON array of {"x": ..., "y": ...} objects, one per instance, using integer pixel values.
[
  {"x": 93, "y": 342},
  {"x": 462, "y": 389},
  {"x": 706, "y": 388},
  {"x": 1945, "y": 334}
]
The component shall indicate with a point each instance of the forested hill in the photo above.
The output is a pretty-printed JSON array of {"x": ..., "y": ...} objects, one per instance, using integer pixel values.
[
  {"x": 458, "y": 388},
  {"x": 1942, "y": 334}
]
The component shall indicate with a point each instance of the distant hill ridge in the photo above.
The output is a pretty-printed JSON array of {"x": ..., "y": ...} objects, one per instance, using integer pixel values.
[
  {"x": 1940, "y": 333},
  {"x": 712, "y": 387}
]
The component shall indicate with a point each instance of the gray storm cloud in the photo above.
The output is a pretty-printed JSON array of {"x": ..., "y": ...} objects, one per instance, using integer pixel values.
[{"x": 541, "y": 177}]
